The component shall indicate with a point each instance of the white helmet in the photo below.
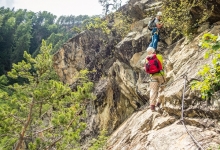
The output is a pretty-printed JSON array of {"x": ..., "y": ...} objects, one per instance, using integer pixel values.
[
  {"x": 159, "y": 13},
  {"x": 150, "y": 50}
]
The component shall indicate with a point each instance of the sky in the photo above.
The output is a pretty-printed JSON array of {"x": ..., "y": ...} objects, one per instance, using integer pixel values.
[{"x": 58, "y": 7}]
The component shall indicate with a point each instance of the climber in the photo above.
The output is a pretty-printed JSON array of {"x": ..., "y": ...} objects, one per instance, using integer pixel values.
[
  {"x": 155, "y": 35},
  {"x": 157, "y": 77},
  {"x": 153, "y": 21},
  {"x": 158, "y": 18},
  {"x": 155, "y": 25}
]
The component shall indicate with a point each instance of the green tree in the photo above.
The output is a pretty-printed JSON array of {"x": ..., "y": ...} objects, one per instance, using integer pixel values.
[
  {"x": 57, "y": 40},
  {"x": 24, "y": 30},
  {"x": 42, "y": 112},
  {"x": 20, "y": 16},
  {"x": 7, "y": 27},
  {"x": 22, "y": 39},
  {"x": 43, "y": 26}
]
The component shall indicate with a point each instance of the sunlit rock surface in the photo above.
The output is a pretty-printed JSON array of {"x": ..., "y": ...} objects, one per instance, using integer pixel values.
[{"x": 122, "y": 89}]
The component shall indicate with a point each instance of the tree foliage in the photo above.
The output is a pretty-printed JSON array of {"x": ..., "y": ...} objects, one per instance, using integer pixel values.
[
  {"x": 41, "y": 112},
  {"x": 115, "y": 24},
  {"x": 96, "y": 23},
  {"x": 122, "y": 24},
  {"x": 22, "y": 39},
  {"x": 100, "y": 142},
  {"x": 24, "y": 30},
  {"x": 210, "y": 73},
  {"x": 179, "y": 16}
]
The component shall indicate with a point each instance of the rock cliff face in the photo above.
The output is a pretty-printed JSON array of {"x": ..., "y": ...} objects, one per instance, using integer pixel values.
[
  {"x": 122, "y": 88},
  {"x": 145, "y": 130}
]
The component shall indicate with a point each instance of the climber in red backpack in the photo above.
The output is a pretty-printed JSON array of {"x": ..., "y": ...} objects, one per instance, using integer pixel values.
[{"x": 154, "y": 67}]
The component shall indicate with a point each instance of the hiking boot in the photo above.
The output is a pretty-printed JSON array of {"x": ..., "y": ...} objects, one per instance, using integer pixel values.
[
  {"x": 158, "y": 105},
  {"x": 152, "y": 107}
]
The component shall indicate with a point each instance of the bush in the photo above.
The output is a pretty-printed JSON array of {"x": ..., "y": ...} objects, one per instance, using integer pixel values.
[
  {"x": 210, "y": 73},
  {"x": 179, "y": 15}
]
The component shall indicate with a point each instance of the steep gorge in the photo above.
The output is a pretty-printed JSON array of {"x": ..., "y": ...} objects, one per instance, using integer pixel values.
[{"x": 122, "y": 88}]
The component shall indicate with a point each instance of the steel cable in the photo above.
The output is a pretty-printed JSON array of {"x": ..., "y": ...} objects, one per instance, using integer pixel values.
[{"x": 182, "y": 115}]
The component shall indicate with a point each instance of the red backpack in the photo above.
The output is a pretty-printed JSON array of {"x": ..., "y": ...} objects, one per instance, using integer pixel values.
[{"x": 153, "y": 65}]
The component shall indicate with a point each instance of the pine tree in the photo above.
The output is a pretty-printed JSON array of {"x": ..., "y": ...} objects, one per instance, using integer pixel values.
[{"x": 41, "y": 112}]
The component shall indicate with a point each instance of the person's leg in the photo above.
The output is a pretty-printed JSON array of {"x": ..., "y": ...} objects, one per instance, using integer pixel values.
[
  {"x": 151, "y": 43},
  {"x": 154, "y": 86},
  {"x": 153, "y": 37},
  {"x": 154, "y": 41},
  {"x": 160, "y": 91}
]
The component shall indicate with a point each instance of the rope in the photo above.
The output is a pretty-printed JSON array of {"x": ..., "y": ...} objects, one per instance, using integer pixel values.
[
  {"x": 182, "y": 114},
  {"x": 184, "y": 88}
]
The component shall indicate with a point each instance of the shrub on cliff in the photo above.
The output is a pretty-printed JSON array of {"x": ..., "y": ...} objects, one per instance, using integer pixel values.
[
  {"x": 209, "y": 73},
  {"x": 181, "y": 17}
]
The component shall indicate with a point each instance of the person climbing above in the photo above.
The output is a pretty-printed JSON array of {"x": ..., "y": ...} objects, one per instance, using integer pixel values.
[
  {"x": 155, "y": 35},
  {"x": 155, "y": 25},
  {"x": 158, "y": 19},
  {"x": 154, "y": 67},
  {"x": 152, "y": 23}
]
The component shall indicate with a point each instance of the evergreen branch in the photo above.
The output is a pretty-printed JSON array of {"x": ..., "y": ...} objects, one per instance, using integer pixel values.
[
  {"x": 43, "y": 130},
  {"x": 17, "y": 118},
  {"x": 7, "y": 144},
  {"x": 18, "y": 145},
  {"x": 7, "y": 135},
  {"x": 71, "y": 122},
  {"x": 45, "y": 113},
  {"x": 54, "y": 142},
  {"x": 68, "y": 126}
]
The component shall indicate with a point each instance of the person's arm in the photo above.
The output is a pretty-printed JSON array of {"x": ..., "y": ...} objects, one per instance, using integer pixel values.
[
  {"x": 145, "y": 63},
  {"x": 159, "y": 25}
]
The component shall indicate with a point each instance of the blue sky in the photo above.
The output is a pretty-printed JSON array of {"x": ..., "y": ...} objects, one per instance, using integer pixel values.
[{"x": 58, "y": 7}]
